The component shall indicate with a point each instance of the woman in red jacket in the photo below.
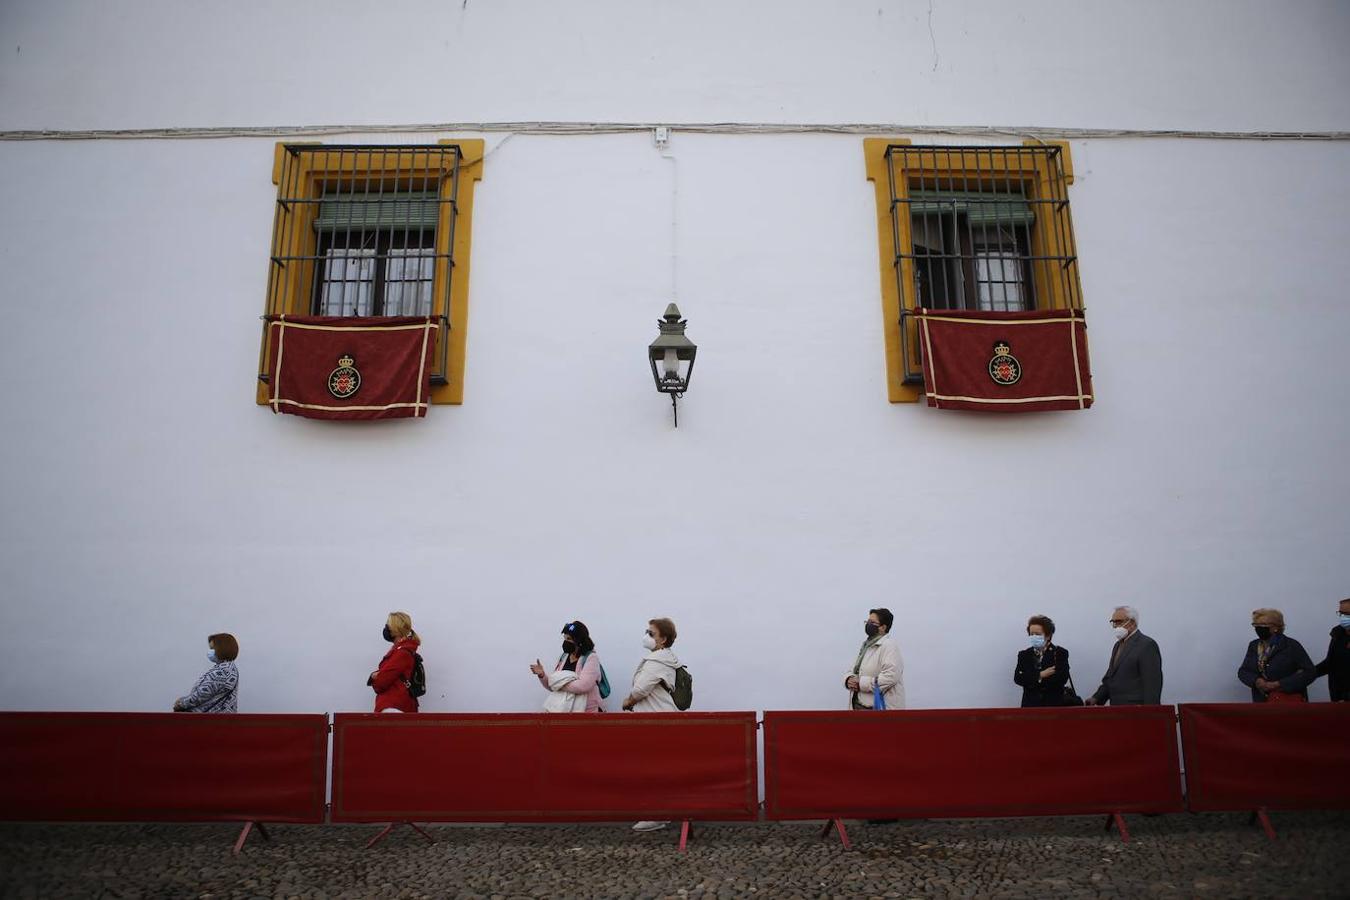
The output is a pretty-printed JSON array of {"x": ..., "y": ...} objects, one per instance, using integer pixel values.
[{"x": 390, "y": 680}]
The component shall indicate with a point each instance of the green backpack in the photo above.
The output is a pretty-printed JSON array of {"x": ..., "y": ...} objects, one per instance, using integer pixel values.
[{"x": 683, "y": 692}]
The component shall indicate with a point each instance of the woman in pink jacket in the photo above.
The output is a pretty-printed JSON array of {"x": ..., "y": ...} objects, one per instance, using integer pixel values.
[{"x": 578, "y": 655}]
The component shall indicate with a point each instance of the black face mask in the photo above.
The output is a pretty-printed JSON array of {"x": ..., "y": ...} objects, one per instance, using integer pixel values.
[
  {"x": 1262, "y": 631},
  {"x": 388, "y": 635},
  {"x": 872, "y": 629},
  {"x": 569, "y": 648}
]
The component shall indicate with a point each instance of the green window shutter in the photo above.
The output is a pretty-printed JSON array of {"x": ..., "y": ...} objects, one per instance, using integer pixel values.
[
  {"x": 374, "y": 211},
  {"x": 981, "y": 207}
]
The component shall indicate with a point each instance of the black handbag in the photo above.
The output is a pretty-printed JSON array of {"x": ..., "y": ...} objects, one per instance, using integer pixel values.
[{"x": 1070, "y": 697}]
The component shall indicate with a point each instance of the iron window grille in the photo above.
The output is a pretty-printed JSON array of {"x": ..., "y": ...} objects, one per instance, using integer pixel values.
[
  {"x": 979, "y": 228},
  {"x": 366, "y": 230}
]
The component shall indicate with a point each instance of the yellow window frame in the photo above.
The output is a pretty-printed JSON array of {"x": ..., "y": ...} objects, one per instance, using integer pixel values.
[
  {"x": 293, "y": 229},
  {"x": 1042, "y": 177}
]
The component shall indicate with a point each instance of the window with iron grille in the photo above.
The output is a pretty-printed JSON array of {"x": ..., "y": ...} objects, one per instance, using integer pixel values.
[
  {"x": 962, "y": 227},
  {"x": 376, "y": 230}
]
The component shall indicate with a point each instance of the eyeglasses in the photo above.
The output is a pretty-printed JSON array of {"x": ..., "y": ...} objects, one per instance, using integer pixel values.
[
  {"x": 650, "y": 633},
  {"x": 1119, "y": 622}
]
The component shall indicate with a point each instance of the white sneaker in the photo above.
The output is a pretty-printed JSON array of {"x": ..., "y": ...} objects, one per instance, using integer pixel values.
[{"x": 650, "y": 826}]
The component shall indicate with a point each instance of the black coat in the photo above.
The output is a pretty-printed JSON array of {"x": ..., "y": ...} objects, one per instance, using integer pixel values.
[
  {"x": 1337, "y": 664},
  {"x": 1036, "y": 692},
  {"x": 1288, "y": 663}
]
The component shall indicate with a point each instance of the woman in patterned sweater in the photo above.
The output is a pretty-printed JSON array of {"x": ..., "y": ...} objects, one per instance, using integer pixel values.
[{"x": 217, "y": 691}]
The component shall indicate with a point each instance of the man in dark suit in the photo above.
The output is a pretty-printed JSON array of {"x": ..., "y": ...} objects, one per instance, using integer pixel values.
[
  {"x": 1134, "y": 676},
  {"x": 1337, "y": 663}
]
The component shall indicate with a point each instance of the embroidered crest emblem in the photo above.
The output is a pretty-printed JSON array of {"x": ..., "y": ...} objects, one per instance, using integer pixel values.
[
  {"x": 344, "y": 380},
  {"x": 1004, "y": 368}
]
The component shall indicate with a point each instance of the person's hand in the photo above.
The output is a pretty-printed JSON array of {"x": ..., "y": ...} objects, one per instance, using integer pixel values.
[
  {"x": 852, "y": 683},
  {"x": 1091, "y": 701},
  {"x": 178, "y": 705},
  {"x": 628, "y": 704},
  {"x": 1046, "y": 673},
  {"x": 537, "y": 668},
  {"x": 1267, "y": 686}
]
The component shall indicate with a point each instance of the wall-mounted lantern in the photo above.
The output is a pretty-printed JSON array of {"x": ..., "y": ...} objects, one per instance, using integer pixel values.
[{"x": 672, "y": 358}]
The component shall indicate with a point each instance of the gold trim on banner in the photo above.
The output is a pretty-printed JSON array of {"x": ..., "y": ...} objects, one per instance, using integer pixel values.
[
  {"x": 963, "y": 321},
  {"x": 276, "y": 376},
  {"x": 422, "y": 404},
  {"x": 1077, "y": 375},
  {"x": 282, "y": 323},
  {"x": 1079, "y": 397},
  {"x": 928, "y": 359}
]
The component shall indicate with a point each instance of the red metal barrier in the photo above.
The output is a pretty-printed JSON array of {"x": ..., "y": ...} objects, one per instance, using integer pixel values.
[
  {"x": 1256, "y": 756},
  {"x": 174, "y": 767},
  {"x": 534, "y": 767},
  {"x": 971, "y": 762}
]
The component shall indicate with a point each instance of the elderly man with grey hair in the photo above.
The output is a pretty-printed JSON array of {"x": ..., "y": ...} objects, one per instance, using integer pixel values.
[{"x": 1134, "y": 676}]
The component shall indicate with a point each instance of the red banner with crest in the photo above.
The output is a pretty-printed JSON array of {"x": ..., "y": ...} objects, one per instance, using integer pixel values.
[
  {"x": 351, "y": 367},
  {"x": 1005, "y": 361}
]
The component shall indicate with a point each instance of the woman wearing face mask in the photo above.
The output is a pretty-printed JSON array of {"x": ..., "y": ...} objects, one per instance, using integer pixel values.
[
  {"x": 654, "y": 684},
  {"x": 1276, "y": 668},
  {"x": 1043, "y": 668},
  {"x": 654, "y": 680},
  {"x": 217, "y": 691},
  {"x": 579, "y": 656},
  {"x": 391, "y": 680},
  {"x": 878, "y": 665}
]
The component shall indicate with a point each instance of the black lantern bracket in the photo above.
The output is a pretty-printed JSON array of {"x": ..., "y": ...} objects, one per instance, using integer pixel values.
[{"x": 671, "y": 357}]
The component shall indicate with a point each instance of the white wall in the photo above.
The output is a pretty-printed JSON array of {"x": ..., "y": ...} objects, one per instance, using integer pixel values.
[
  {"x": 147, "y": 501},
  {"x": 1205, "y": 64}
]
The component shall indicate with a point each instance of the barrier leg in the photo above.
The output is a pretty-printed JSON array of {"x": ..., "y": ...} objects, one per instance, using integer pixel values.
[
  {"x": 391, "y": 826},
  {"x": 382, "y": 835},
  {"x": 243, "y": 835},
  {"x": 1262, "y": 816},
  {"x": 685, "y": 833},
  {"x": 839, "y": 826},
  {"x": 417, "y": 828},
  {"x": 1118, "y": 820}
]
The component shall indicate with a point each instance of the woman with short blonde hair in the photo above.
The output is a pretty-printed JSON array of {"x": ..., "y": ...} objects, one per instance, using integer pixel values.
[{"x": 1276, "y": 667}]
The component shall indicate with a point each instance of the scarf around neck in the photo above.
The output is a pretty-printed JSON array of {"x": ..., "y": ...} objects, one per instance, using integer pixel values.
[{"x": 862, "y": 651}]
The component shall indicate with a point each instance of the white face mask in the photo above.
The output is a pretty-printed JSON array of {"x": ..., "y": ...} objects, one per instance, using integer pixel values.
[
  {"x": 648, "y": 642},
  {"x": 1120, "y": 631}
]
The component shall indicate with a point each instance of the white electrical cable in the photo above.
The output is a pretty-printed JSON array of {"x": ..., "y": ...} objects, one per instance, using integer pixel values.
[
  {"x": 580, "y": 128},
  {"x": 665, "y": 152}
]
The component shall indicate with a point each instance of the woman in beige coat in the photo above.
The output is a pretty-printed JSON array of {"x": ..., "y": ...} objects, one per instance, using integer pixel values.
[
  {"x": 654, "y": 680},
  {"x": 878, "y": 664},
  {"x": 654, "y": 684}
]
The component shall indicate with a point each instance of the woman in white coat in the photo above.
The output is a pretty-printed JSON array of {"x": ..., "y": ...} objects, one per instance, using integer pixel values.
[
  {"x": 654, "y": 680},
  {"x": 878, "y": 665},
  {"x": 654, "y": 683}
]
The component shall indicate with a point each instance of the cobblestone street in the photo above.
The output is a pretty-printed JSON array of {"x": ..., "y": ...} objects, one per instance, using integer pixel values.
[{"x": 1216, "y": 855}]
